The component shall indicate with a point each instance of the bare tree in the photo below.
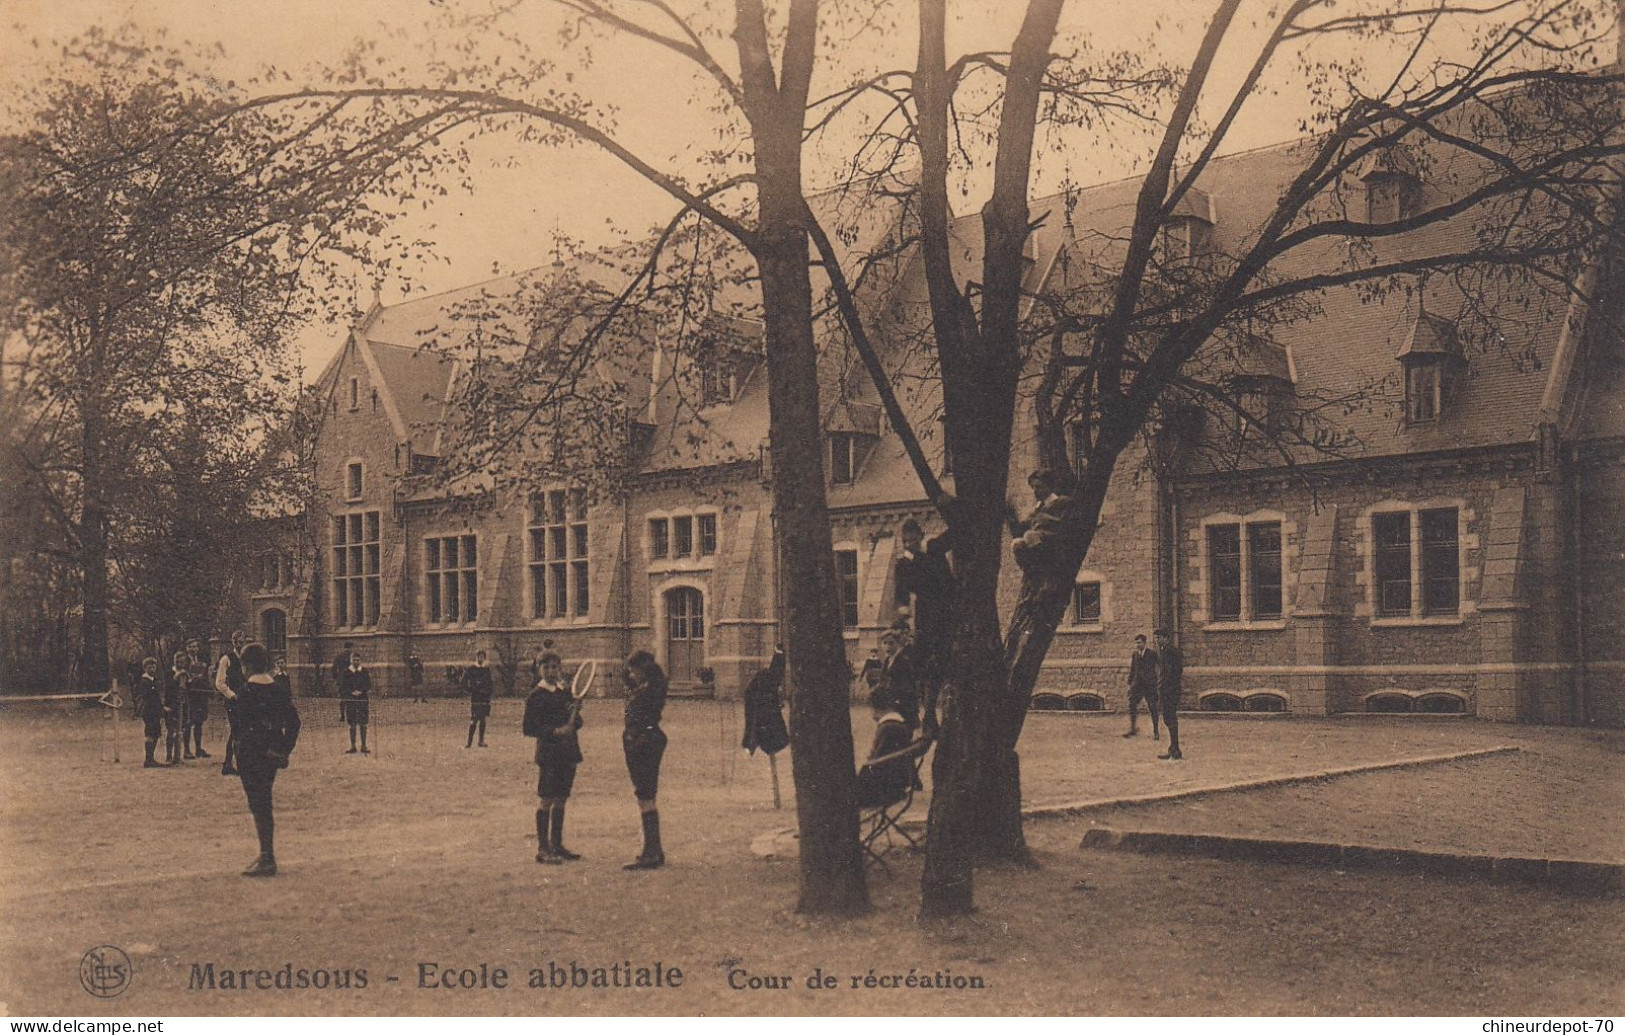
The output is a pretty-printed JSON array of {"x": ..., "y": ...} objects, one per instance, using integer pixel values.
[{"x": 1140, "y": 336}]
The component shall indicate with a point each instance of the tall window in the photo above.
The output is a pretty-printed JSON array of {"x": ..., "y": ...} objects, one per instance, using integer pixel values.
[
  {"x": 560, "y": 577},
  {"x": 843, "y": 457},
  {"x": 1421, "y": 392},
  {"x": 274, "y": 631},
  {"x": 1264, "y": 563},
  {"x": 1416, "y": 558},
  {"x": 683, "y": 535},
  {"x": 1441, "y": 562},
  {"x": 1244, "y": 572},
  {"x": 1392, "y": 560},
  {"x": 355, "y": 393},
  {"x": 357, "y": 585},
  {"x": 275, "y": 571},
  {"x": 451, "y": 578},
  {"x": 1086, "y": 603},
  {"x": 354, "y": 481},
  {"x": 846, "y": 577},
  {"x": 1224, "y": 572}
]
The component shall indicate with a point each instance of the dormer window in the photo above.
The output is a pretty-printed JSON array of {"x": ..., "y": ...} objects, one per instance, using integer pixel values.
[
  {"x": 1432, "y": 361},
  {"x": 354, "y": 481},
  {"x": 725, "y": 355},
  {"x": 844, "y": 458},
  {"x": 850, "y": 431},
  {"x": 1422, "y": 402},
  {"x": 1261, "y": 387},
  {"x": 1187, "y": 232},
  {"x": 1393, "y": 185},
  {"x": 723, "y": 375}
]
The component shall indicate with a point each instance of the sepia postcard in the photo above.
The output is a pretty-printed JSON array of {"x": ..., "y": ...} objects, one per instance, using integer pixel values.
[{"x": 812, "y": 508}]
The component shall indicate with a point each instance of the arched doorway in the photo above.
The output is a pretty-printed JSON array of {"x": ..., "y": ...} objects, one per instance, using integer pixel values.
[
  {"x": 274, "y": 631},
  {"x": 685, "y": 634}
]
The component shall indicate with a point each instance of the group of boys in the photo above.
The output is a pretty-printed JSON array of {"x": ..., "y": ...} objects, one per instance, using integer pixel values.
[{"x": 175, "y": 709}]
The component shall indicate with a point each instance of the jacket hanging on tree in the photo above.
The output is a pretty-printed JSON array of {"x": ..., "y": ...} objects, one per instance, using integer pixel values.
[{"x": 764, "y": 716}]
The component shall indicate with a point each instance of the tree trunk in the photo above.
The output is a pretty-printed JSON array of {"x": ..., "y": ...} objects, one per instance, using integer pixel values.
[
  {"x": 92, "y": 533},
  {"x": 975, "y": 669},
  {"x": 832, "y": 875},
  {"x": 1038, "y": 612}
]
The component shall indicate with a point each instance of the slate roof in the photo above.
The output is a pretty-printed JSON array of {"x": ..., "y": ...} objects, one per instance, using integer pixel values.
[{"x": 1347, "y": 347}]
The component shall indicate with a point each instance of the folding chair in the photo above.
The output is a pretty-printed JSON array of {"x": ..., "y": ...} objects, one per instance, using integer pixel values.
[{"x": 881, "y": 824}]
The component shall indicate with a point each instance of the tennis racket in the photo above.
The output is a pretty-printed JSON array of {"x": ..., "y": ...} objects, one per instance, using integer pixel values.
[{"x": 580, "y": 683}]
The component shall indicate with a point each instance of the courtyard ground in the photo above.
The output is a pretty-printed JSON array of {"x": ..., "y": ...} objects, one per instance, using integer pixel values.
[{"x": 419, "y": 854}]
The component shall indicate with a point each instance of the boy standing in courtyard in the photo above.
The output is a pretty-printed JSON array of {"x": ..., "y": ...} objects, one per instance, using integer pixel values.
[
  {"x": 478, "y": 682},
  {"x": 551, "y": 719}
]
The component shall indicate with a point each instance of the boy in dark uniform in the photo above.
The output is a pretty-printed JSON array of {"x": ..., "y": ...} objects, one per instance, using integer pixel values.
[
  {"x": 149, "y": 704},
  {"x": 279, "y": 675},
  {"x": 414, "y": 675},
  {"x": 551, "y": 718},
  {"x": 228, "y": 681},
  {"x": 925, "y": 589},
  {"x": 267, "y": 730},
  {"x": 1170, "y": 679},
  {"x": 478, "y": 681},
  {"x": 644, "y": 744},
  {"x": 198, "y": 691},
  {"x": 887, "y": 782},
  {"x": 174, "y": 702},
  {"x": 355, "y": 688},
  {"x": 899, "y": 679},
  {"x": 1142, "y": 686}
]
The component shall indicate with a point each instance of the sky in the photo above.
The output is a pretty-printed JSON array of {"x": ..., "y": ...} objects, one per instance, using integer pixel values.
[{"x": 524, "y": 195}]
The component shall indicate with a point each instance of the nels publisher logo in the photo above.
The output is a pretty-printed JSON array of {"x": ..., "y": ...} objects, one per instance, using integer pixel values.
[{"x": 105, "y": 971}]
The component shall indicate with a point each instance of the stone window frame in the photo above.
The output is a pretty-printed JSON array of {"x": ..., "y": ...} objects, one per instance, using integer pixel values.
[
  {"x": 1072, "y": 625},
  {"x": 461, "y": 573},
  {"x": 1416, "y": 696},
  {"x": 576, "y": 612},
  {"x": 850, "y": 631},
  {"x": 355, "y": 479},
  {"x": 1198, "y": 587},
  {"x": 369, "y": 580},
  {"x": 672, "y": 560},
  {"x": 1467, "y": 543}
]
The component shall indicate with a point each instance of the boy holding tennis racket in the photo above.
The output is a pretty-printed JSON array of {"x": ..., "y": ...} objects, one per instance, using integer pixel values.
[{"x": 552, "y": 716}]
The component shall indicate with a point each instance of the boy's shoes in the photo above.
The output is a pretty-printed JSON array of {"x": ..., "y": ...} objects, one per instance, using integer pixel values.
[
  {"x": 546, "y": 857},
  {"x": 262, "y": 867},
  {"x": 203, "y": 754},
  {"x": 364, "y": 751},
  {"x": 646, "y": 862},
  {"x": 482, "y": 743},
  {"x": 150, "y": 764},
  {"x": 1131, "y": 733},
  {"x": 350, "y": 752},
  {"x": 228, "y": 770},
  {"x": 565, "y": 854},
  {"x": 1173, "y": 755},
  {"x": 187, "y": 755}
]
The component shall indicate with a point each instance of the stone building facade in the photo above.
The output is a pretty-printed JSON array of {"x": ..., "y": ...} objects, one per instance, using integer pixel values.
[{"x": 1462, "y": 556}]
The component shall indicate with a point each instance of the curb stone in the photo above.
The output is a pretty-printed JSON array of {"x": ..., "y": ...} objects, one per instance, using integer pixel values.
[
  {"x": 1074, "y": 808},
  {"x": 1570, "y": 875}
]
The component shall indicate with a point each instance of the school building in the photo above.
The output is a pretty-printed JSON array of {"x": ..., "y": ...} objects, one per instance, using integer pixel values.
[{"x": 1460, "y": 553}]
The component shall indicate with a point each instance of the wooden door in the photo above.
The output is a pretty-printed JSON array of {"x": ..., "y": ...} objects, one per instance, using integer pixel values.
[{"x": 685, "y": 634}]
